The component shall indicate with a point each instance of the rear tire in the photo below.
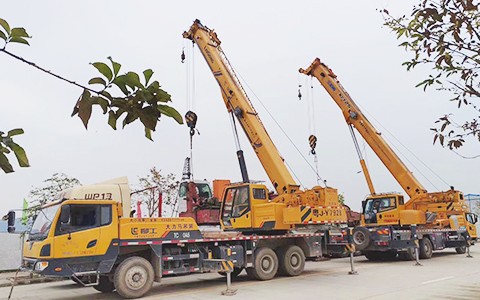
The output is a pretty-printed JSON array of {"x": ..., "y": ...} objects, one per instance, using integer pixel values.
[
  {"x": 133, "y": 277},
  {"x": 265, "y": 265},
  {"x": 105, "y": 285},
  {"x": 426, "y": 248},
  {"x": 291, "y": 260},
  {"x": 372, "y": 255},
  {"x": 461, "y": 250},
  {"x": 361, "y": 238},
  {"x": 380, "y": 255}
]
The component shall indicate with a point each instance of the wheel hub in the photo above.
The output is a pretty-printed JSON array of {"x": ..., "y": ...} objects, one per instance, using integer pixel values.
[
  {"x": 294, "y": 261},
  {"x": 267, "y": 264},
  {"x": 136, "y": 278}
]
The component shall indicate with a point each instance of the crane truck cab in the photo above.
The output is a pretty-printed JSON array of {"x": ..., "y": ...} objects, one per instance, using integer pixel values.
[
  {"x": 80, "y": 221},
  {"x": 203, "y": 189}
]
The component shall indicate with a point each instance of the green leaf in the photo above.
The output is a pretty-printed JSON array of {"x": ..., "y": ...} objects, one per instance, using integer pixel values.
[
  {"x": 148, "y": 74},
  {"x": 116, "y": 66},
  {"x": 149, "y": 117},
  {"x": 129, "y": 119},
  {"x": 14, "y": 132},
  {"x": 20, "y": 154},
  {"x": 20, "y": 40},
  {"x": 148, "y": 134},
  {"x": 133, "y": 80},
  {"x": 119, "y": 81},
  {"x": 171, "y": 112},
  {"x": 112, "y": 119},
  {"x": 106, "y": 95},
  {"x": 162, "y": 96},
  {"x": 4, "y": 164},
  {"x": 3, "y": 36},
  {"x": 5, "y": 25},
  {"x": 102, "y": 102},
  {"x": 97, "y": 80},
  {"x": 103, "y": 69},
  {"x": 85, "y": 108},
  {"x": 20, "y": 32},
  {"x": 153, "y": 86}
]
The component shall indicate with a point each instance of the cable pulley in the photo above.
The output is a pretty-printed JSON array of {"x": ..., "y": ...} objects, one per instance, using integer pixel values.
[
  {"x": 191, "y": 119},
  {"x": 182, "y": 57},
  {"x": 312, "y": 140}
]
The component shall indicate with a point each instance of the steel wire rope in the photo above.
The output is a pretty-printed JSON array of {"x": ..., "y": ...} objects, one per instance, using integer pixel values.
[
  {"x": 281, "y": 129},
  {"x": 406, "y": 148}
]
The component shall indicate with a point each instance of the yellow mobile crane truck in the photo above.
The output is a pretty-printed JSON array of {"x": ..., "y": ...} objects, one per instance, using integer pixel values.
[
  {"x": 89, "y": 235},
  {"x": 442, "y": 218}
]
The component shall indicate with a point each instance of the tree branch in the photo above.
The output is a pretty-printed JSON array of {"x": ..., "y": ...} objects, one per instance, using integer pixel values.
[{"x": 47, "y": 71}]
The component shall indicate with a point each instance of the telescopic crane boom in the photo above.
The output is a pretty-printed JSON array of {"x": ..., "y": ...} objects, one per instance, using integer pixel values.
[
  {"x": 238, "y": 104},
  {"x": 292, "y": 206},
  {"x": 423, "y": 207}
]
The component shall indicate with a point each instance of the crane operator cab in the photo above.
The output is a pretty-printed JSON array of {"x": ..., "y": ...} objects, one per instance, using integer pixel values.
[
  {"x": 247, "y": 207},
  {"x": 381, "y": 209}
]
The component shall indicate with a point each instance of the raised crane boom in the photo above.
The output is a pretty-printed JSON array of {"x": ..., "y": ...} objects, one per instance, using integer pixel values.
[
  {"x": 247, "y": 206},
  {"x": 355, "y": 117},
  {"x": 238, "y": 103}
]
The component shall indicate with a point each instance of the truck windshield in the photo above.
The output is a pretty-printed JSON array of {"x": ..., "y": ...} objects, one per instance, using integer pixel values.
[
  {"x": 380, "y": 204},
  {"x": 43, "y": 223}
]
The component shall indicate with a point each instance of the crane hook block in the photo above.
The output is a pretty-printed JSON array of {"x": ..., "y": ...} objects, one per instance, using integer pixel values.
[
  {"x": 183, "y": 56},
  {"x": 191, "y": 120},
  {"x": 312, "y": 140}
]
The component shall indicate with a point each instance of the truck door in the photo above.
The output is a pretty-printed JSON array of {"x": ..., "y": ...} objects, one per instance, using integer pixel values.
[
  {"x": 236, "y": 207},
  {"x": 472, "y": 219},
  {"x": 370, "y": 210},
  {"x": 88, "y": 231}
]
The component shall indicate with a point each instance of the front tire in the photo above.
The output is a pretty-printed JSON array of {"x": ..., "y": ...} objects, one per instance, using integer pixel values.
[
  {"x": 133, "y": 277},
  {"x": 461, "y": 250},
  {"x": 408, "y": 255},
  {"x": 265, "y": 266},
  {"x": 105, "y": 285},
  {"x": 236, "y": 271}
]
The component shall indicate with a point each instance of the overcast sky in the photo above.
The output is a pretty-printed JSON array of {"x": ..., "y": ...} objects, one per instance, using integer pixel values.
[{"x": 266, "y": 42}]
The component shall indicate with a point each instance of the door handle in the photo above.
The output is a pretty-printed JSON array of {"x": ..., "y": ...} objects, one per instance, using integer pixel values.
[{"x": 91, "y": 244}]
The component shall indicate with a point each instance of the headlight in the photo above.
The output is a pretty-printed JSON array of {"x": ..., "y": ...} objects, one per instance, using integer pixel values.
[{"x": 41, "y": 265}]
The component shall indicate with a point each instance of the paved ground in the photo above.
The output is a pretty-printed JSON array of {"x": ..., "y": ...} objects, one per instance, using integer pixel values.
[{"x": 446, "y": 276}]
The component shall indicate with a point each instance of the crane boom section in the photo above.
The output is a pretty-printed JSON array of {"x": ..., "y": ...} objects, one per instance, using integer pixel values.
[
  {"x": 355, "y": 117},
  {"x": 238, "y": 103}
]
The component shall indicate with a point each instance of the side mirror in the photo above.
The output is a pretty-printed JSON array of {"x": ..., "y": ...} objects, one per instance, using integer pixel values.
[
  {"x": 65, "y": 214},
  {"x": 11, "y": 221}
]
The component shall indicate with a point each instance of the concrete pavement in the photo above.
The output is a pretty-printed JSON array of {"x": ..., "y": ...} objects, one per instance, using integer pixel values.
[{"x": 446, "y": 276}]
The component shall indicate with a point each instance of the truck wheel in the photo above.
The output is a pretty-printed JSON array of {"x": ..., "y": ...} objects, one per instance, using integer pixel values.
[
  {"x": 388, "y": 255},
  {"x": 291, "y": 260},
  {"x": 461, "y": 250},
  {"x": 372, "y": 255},
  {"x": 133, "y": 277},
  {"x": 236, "y": 271},
  {"x": 361, "y": 238},
  {"x": 265, "y": 265},
  {"x": 426, "y": 248},
  {"x": 105, "y": 285},
  {"x": 408, "y": 255}
]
